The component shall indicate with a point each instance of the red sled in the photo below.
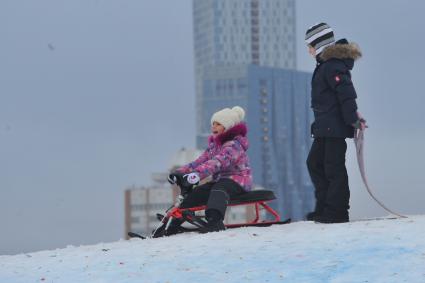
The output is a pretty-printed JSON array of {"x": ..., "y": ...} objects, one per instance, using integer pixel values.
[{"x": 258, "y": 198}]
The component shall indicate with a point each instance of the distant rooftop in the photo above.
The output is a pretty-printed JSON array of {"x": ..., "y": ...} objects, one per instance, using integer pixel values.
[{"x": 183, "y": 157}]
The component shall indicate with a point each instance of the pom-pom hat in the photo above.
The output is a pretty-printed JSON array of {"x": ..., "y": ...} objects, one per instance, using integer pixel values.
[{"x": 228, "y": 117}]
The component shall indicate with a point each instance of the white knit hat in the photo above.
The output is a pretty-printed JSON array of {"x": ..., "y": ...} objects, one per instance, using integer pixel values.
[{"x": 228, "y": 117}]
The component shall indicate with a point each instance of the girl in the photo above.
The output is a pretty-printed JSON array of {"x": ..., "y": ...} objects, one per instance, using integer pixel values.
[{"x": 226, "y": 161}]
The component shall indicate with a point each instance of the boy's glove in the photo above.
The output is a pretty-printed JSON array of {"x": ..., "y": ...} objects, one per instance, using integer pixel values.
[{"x": 360, "y": 124}]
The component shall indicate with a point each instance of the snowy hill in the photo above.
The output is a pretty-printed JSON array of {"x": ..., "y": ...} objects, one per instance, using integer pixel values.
[{"x": 362, "y": 251}]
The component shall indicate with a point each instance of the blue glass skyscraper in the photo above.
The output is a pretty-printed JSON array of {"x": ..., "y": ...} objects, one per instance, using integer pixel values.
[{"x": 241, "y": 32}]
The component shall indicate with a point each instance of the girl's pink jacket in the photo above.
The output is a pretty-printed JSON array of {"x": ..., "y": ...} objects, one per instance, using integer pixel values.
[{"x": 225, "y": 157}]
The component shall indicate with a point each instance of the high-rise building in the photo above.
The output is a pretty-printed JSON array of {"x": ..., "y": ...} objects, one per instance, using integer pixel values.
[
  {"x": 242, "y": 32},
  {"x": 245, "y": 55}
]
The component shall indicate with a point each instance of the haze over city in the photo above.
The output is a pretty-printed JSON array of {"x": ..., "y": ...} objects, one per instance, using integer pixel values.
[{"x": 97, "y": 95}]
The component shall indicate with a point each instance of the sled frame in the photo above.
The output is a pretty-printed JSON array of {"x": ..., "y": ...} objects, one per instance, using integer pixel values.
[{"x": 179, "y": 213}]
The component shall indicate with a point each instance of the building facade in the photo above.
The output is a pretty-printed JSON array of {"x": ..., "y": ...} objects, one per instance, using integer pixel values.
[
  {"x": 278, "y": 114},
  {"x": 143, "y": 203}
]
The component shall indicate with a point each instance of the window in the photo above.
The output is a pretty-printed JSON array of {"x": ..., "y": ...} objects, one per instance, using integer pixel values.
[
  {"x": 241, "y": 84},
  {"x": 137, "y": 206}
]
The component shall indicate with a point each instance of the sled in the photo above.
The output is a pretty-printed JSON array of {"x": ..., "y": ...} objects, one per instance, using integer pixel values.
[{"x": 258, "y": 198}]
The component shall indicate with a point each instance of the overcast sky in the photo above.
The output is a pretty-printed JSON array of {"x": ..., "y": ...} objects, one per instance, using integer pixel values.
[{"x": 96, "y": 95}]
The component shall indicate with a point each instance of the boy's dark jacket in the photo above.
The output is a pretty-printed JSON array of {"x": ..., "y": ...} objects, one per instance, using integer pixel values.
[{"x": 333, "y": 97}]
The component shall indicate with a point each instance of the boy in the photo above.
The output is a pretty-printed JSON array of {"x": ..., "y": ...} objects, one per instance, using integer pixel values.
[{"x": 333, "y": 100}]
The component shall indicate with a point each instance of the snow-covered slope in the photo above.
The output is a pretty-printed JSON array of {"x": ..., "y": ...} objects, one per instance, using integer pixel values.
[{"x": 363, "y": 251}]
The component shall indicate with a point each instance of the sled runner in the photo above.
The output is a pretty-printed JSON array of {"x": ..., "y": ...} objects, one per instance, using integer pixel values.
[{"x": 258, "y": 198}]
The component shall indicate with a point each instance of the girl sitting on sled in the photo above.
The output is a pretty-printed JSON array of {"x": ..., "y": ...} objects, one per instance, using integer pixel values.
[{"x": 226, "y": 161}]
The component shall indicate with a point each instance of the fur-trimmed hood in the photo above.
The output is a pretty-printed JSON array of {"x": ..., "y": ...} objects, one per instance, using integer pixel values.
[
  {"x": 341, "y": 51},
  {"x": 238, "y": 131}
]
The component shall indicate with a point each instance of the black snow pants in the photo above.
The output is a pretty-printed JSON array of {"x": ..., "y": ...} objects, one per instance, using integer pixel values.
[
  {"x": 326, "y": 165},
  {"x": 215, "y": 195}
]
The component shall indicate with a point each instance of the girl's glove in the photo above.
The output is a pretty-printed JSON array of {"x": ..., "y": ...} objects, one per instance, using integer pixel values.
[
  {"x": 184, "y": 180},
  {"x": 191, "y": 179},
  {"x": 172, "y": 178}
]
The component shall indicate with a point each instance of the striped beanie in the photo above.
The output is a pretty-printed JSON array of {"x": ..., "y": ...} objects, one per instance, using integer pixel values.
[{"x": 319, "y": 37}]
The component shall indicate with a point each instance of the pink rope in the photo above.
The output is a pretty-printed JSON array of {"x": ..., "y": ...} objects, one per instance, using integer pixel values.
[{"x": 359, "y": 143}]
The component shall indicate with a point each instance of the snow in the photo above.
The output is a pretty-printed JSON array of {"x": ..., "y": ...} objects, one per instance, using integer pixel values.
[{"x": 391, "y": 250}]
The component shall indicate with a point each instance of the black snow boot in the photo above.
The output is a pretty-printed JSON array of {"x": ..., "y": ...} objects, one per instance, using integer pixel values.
[
  {"x": 215, "y": 222},
  {"x": 332, "y": 218},
  {"x": 311, "y": 216},
  {"x": 174, "y": 228}
]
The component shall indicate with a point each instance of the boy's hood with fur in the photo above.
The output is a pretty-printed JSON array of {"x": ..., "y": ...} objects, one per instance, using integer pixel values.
[{"x": 341, "y": 51}]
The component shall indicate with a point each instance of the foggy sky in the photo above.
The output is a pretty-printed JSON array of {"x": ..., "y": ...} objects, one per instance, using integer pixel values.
[{"x": 97, "y": 95}]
